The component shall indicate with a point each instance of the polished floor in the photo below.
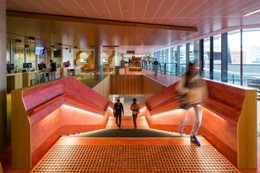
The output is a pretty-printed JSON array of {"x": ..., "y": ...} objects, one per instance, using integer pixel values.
[
  {"x": 132, "y": 155},
  {"x": 79, "y": 153}
]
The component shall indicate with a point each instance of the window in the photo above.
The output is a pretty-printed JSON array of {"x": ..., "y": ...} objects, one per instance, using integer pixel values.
[
  {"x": 234, "y": 57},
  {"x": 251, "y": 56}
]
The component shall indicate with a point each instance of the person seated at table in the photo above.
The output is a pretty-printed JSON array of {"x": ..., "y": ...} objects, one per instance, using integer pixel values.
[
  {"x": 42, "y": 66},
  {"x": 43, "y": 71}
]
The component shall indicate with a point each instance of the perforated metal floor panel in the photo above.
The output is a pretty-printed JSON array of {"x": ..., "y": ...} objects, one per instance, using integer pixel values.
[{"x": 134, "y": 158}]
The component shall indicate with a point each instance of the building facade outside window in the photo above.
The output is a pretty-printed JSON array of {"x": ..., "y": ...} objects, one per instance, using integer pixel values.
[
  {"x": 234, "y": 45},
  {"x": 251, "y": 57}
]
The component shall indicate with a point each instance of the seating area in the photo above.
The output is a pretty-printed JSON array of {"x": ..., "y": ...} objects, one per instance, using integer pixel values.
[{"x": 88, "y": 68}]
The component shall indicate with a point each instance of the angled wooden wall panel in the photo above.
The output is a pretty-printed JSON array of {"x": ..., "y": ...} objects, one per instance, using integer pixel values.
[
  {"x": 126, "y": 84},
  {"x": 36, "y": 110},
  {"x": 247, "y": 132},
  {"x": 229, "y": 120},
  {"x": 21, "y": 145},
  {"x": 134, "y": 84},
  {"x": 103, "y": 88},
  {"x": 150, "y": 86}
]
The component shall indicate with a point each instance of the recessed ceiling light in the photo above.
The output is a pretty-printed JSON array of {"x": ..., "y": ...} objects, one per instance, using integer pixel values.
[{"x": 251, "y": 13}]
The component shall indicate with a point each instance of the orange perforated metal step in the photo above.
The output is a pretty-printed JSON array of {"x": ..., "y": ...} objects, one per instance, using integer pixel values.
[{"x": 127, "y": 158}]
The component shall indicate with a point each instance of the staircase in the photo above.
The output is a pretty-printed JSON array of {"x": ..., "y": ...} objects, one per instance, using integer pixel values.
[
  {"x": 127, "y": 133},
  {"x": 128, "y": 150}
]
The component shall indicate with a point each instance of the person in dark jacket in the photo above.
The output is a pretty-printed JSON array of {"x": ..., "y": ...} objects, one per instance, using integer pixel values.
[
  {"x": 53, "y": 69},
  {"x": 118, "y": 110},
  {"x": 155, "y": 66}
]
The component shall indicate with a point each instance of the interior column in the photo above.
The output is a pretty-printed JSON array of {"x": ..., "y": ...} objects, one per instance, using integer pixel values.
[
  {"x": 98, "y": 51},
  {"x": 3, "y": 118}
]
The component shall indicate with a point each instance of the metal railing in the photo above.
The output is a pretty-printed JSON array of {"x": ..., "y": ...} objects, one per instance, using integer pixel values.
[{"x": 89, "y": 77}]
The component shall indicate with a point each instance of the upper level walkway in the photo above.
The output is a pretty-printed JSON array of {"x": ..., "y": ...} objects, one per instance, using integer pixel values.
[{"x": 165, "y": 80}]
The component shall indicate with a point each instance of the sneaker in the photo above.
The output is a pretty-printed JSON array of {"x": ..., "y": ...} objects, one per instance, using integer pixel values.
[{"x": 195, "y": 140}]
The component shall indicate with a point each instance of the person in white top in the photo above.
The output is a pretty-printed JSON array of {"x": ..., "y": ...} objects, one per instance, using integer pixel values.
[{"x": 192, "y": 91}]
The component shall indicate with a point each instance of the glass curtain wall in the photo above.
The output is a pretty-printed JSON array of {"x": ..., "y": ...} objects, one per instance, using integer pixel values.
[
  {"x": 234, "y": 45},
  {"x": 182, "y": 57},
  {"x": 161, "y": 58},
  {"x": 243, "y": 66},
  {"x": 174, "y": 60},
  {"x": 241, "y": 55},
  {"x": 157, "y": 55},
  {"x": 206, "y": 57},
  {"x": 217, "y": 57},
  {"x": 18, "y": 54},
  {"x": 164, "y": 66},
  {"x": 251, "y": 57},
  {"x": 30, "y": 57},
  {"x": 19, "y": 58},
  {"x": 194, "y": 51}
]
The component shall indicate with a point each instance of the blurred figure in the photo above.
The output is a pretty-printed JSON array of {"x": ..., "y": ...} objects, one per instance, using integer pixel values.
[
  {"x": 135, "y": 110},
  {"x": 53, "y": 70},
  {"x": 155, "y": 66},
  {"x": 118, "y": 110},
  {"x": 145, "y": 64},
  {"x": 44, "y": 74},
  {"x": 66, "y": 64},
  {"x": 42, "y": 65},
  {"x": 192, "y": 91}
]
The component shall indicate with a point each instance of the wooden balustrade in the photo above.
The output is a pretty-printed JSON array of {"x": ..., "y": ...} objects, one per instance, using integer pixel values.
[
  {"x": 229, "y": 119},
  {"x": 42, "y": 113}
]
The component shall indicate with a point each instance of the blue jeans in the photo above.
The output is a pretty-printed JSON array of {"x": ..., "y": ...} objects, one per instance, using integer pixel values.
[{"x": 53, "y": 75}]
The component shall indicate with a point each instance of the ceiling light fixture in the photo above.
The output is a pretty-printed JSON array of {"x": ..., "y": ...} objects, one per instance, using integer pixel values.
[{"x": 251, "y": 13}]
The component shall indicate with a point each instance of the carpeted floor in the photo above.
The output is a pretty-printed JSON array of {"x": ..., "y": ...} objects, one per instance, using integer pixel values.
[{"x": 127, "y": 133}]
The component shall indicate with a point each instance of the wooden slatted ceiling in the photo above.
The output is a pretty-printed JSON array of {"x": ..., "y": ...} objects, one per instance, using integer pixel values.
[
  {"x": 113, "y": 8},
  {"x": 207, "y": 15},
  {"x": 164, "y": 12},
  {"x": 139, "y": 9}
]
